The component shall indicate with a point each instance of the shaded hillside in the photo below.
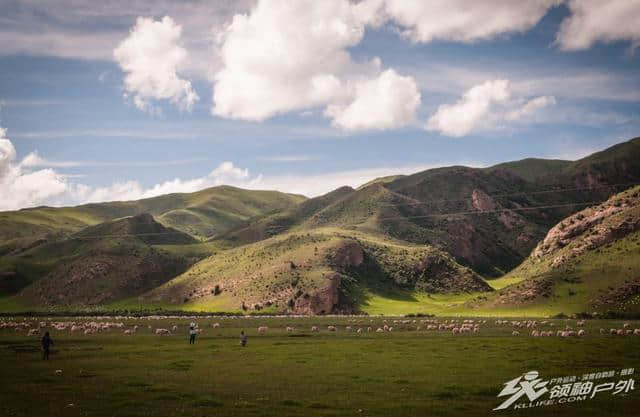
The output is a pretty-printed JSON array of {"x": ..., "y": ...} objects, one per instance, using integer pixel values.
[
  {"x": 100, "y": 263},
  {"x": 142, "y": 226},
  {"x": 589, "y": 261}
]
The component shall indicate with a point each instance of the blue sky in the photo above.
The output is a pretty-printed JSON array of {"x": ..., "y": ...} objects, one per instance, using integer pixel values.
[{"x": 515, "y": 90}]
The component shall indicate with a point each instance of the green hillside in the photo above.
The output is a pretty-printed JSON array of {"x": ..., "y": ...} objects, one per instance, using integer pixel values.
[
  {"x": 200, "y": 214},
  {"x": 101, "y": 263},
  {"x": 326, "y": 271},
  {"x": 533, "y": 169},
  {"x": 589, "y": 262}
]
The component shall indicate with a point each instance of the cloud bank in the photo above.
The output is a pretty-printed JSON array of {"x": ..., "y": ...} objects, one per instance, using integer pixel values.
[{"x": 23, "y": 185}]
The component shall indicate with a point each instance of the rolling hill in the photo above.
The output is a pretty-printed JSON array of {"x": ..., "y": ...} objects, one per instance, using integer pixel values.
[{"x": 443, "y": 235}]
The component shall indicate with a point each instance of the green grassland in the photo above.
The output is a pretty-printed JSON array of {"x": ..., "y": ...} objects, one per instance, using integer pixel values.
[{"x": 400, "y": 373}]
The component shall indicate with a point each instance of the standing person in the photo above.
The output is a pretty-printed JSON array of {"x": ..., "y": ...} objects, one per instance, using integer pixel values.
[
  {"x": 243, "y": 339},
  {"x": 192, "y": 334},
  {"x": 47, "y": 342}
]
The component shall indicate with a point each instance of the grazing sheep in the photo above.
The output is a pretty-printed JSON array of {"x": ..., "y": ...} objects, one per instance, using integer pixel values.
[
  {"x": 620, "y": 332},
  {"x": 128, "y": 332},
  {"x": 602, "y": 331},
  {"x": 580, "y": 323},
  {"x": 636, "y": 331},
  {"x": 613, "y": 331},
  {"x": 262, "y": 329},
  {"x": 368, "y": 329},
  {"x": 535, "y": 333},
  {"x": 515, "y": 333},
  {"x": 581, "y": 332},
  {"x": 348, "y": 328},
  {"x": 390, "y": 329},
  {"x": 174, "y": 328},
  {"x": 455, "y": 330},
  {"x": 379, "y": 330},
  {"x": 162, "y": 332},
  {"x": 359, "y": 330},
  {"x": 34, "y": 332},
  {"x": 315, "y": 329},
  {"x": 626, "y": 325},
  {"x": 216, "y": 325},
  {"x": 289, "y": 329},
  {"x": 628, "y": 331},
  {"x": 331, "y": 328}
]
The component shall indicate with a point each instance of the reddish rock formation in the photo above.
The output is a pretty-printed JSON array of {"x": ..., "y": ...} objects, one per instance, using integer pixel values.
[{"x": 324, "y": 301}]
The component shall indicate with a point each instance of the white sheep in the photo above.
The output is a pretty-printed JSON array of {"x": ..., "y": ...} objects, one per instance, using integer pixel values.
[
  {"x": 331, "y": 328},
  {"x": 163, "y": 332},
  {"x": 315, "y": 329},
  {"x": 262, "y": 329},
  {"x": 289, "y": 329},
  {"x": 216, "y": 325},
  {"x": 581, "y": 332},
  {"x": 515, "y": 333}
]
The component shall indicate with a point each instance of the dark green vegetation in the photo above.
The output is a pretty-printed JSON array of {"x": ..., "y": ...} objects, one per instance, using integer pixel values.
[
  {"x": 303, "y": 373},
  {"x": 435, "y": 241}
]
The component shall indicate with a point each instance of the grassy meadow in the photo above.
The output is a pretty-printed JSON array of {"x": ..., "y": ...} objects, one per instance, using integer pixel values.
[{"x": 405, "y": 372}]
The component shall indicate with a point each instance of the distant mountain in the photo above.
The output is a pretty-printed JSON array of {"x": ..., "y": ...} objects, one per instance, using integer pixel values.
[
  {"x": 448, "y": 230},
  {"x": 201, "y": 214}
]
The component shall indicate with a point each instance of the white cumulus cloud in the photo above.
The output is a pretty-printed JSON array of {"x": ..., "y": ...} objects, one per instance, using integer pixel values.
[
  {"x": 593, "y": 21},
  {"x": 464, "y": 20},
  {"x": 152, "y": 58},
  {"x": 385, "y": 102},
  {"x": 292, "y": 55},
  {"x": 484, "y": 106}
]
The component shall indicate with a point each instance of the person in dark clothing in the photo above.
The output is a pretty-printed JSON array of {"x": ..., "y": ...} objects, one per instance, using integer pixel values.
[
  {"x": 243, "y": 339},
  {"x": 192, "y": 335},
  {"x": 47, "y": 342}
]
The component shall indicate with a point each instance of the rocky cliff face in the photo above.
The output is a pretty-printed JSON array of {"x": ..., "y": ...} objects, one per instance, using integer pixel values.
[{"x": 590, "y": 229}]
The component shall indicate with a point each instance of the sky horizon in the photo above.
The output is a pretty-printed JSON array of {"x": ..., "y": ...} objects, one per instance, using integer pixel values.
[{"x": 127, "y": 100}]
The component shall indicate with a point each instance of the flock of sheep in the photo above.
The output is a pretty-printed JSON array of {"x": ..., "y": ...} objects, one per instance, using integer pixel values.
[{"x": 534, "y": 328}]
